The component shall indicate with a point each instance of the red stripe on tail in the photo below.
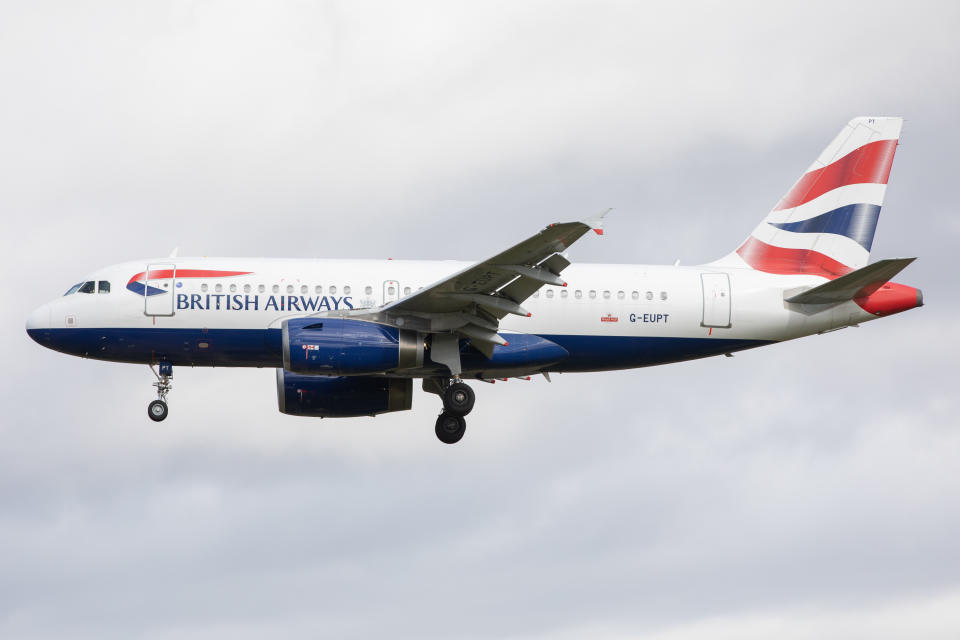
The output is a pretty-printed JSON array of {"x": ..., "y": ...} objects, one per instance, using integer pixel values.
[
  {"x": 869, "y": 164},
  {"x": 764, "y": 257}
]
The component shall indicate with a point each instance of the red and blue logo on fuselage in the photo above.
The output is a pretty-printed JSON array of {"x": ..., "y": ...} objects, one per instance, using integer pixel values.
[{"x": 138, "y": 283}]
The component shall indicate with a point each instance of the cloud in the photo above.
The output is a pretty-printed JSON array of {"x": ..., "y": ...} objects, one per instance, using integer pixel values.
[{"x": 799, "y": 489}]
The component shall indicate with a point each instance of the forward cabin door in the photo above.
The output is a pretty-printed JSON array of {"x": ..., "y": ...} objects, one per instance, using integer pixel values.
[
  {"x": 716, "y": 300},
  {"x": 391, "y": 291},
  {"x": 159, "y": 282}
]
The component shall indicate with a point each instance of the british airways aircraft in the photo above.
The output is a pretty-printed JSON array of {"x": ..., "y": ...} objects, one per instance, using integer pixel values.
[{"x": 348, "y": 337}]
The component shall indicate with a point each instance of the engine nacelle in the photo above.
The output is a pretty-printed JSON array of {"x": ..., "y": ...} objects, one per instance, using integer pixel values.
[
  {"x": 341, "y": 397},
  {"x": 340, "y": 346}
]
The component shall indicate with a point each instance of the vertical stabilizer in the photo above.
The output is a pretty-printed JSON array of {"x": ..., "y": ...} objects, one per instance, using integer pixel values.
[{"x": 825, "y": 223}]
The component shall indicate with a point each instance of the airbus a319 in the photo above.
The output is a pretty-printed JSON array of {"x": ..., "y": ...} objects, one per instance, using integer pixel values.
[{"x": 349, "y": 337}]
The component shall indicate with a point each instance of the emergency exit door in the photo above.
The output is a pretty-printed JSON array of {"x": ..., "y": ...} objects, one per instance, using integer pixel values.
[
  {"x": 391, "y": 291},
  {"x": 159, "y": 281},
  {"x": 716, "y": 300}
]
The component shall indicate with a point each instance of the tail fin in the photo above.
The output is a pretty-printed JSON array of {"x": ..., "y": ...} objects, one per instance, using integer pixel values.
[{"x": 824, "y": 225}]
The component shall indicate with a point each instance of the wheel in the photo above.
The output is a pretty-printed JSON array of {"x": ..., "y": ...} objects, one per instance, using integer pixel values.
[
  {"x": 450, "y": 428},
  {"x": 157, "y": 410},
  {"x": 458, "y": 399}
]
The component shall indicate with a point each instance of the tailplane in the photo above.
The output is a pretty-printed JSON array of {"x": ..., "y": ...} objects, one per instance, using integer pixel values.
[{"x": 825, "y": 223}]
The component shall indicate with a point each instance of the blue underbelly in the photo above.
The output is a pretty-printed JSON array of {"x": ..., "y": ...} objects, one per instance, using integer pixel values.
[{"x": 262, "y": 348}]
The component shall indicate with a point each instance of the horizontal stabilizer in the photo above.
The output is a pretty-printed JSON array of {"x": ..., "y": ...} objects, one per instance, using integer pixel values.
[{"x": 855, "y": 284}]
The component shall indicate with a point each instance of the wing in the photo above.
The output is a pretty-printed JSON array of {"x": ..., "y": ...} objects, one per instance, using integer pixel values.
[{"x": 471, "y": 302}]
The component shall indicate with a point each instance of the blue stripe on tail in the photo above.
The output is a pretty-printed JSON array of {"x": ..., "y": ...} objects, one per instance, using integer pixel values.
[{"x": 856, "y": 221}]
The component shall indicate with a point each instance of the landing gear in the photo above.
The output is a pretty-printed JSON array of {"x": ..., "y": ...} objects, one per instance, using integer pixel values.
[
  {"x": 458, "y": 399},
  {"x": 450, "y": 428},
  {"x": 157, "y": 410}
]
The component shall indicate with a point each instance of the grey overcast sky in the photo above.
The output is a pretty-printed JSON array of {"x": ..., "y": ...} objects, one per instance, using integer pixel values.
[{"x": 805, "y": 490}]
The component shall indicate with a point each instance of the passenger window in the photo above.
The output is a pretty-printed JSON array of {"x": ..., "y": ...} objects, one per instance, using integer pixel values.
[
  {"x": 536, "y": 294},
  {"x": 346, "y": 290},
  {"x": 88, "y": 287},
  {"x": 649, "y": 295},
  {"x": 333, "y": 290},
  {"x": 663, "y": 295},
  {"x": 592, "y": 294},
  {"x": 635, "y": 295},
  {"x": 276, "y": 288},
  {"x": 620, "y": 295},
  {"x": 318, "y": 289},
  {"x": 563, "y": 293},
  {"x": 218, "y": 288},
  {"x": 289, "y": 288},
  {"x": 406, "y": 291},
  {"x": 304, "y": 289},
  {"x": 578, "y": 294},
  {"x": 204, "y": 287},
  {"x": 246, "y": 288},
  {"x": 103, "y": 287},
  {"x": 261, "y": 288},
  {"x": 368, "y": 290},
  {"x": 391, "y": 290},
  {"x": 73, "y": 289},
  {"x": 606, "y": 295},
  {"x": 549, "y": 293},
  {"x": 233, "y": 288}
]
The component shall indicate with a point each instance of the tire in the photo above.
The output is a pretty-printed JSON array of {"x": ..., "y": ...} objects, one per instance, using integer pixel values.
[
  {"x": 458, "y": 399},
  {"x": 450, "y": 428},
  {"x": 157, "y": 410}
]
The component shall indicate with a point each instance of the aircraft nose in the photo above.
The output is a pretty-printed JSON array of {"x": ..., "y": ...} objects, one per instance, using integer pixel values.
[{"x": 38, "y": 321}]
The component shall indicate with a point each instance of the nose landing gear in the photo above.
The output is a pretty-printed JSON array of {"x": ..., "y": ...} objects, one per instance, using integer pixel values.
[
  {"x": 458, "y": 401},
  {"x": 157, "y": 410}
]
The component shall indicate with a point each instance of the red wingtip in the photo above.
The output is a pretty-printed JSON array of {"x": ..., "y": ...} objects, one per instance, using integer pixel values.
[
  {"x": 506, "y": 344},
  {"x": 505, "y": 379},
  {"x": 599, "y": 232},
  {"x": 564, "y": 284},
  {"x": 529, "y": 314}
]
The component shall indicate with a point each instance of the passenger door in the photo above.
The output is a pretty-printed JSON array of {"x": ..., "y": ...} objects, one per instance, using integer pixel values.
[
  {"x": 716, "y": 300},
  {"x": 159, "y": 282}
]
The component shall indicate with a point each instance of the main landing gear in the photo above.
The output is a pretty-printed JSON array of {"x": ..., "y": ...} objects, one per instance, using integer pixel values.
[
  {"x": 458, "y": 401},
  {"x": 157, "y": 410}
]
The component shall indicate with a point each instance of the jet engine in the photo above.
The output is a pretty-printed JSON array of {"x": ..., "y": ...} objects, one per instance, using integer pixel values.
[
  {"x": 341, "y": 397},
  {"x": 339, "y": 346}
]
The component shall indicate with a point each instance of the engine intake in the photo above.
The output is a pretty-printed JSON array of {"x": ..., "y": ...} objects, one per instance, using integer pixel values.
[
  {"x": 338, "y": 346},
  {"x": 341, "y": 397}
]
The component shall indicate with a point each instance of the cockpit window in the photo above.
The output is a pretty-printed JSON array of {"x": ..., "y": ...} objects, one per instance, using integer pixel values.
[
  {"x": 73, "y": 289},
  {"x": 88, "y": 287},
  {"x": 103, "y": 287}
]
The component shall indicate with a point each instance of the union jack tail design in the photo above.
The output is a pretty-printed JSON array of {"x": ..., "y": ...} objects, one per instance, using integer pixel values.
[{"x": 824, "y": 225}]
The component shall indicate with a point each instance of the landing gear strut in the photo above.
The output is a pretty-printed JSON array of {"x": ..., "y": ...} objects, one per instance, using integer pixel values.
[
  {"x": 157, "y": 410},
  {"x": 458, "y": 401}
]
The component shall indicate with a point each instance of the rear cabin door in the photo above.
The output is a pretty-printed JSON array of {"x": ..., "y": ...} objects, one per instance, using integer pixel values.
[
  {"x": 391, "y": 291},
  {"x": 716, "y": 299},
  {"x": 159, "y": 282}
]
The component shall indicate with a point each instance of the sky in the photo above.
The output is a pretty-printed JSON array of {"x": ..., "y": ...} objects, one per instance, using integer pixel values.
[{"x": 803, "y": 490}]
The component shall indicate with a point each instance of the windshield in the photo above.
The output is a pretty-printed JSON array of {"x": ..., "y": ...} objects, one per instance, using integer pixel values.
[
  {"x": 88, "y": 287},
  {"x": 74, "y": 288}
]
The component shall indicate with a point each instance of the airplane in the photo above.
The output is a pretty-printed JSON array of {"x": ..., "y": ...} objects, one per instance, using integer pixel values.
[{"x": 348, "y": 337}]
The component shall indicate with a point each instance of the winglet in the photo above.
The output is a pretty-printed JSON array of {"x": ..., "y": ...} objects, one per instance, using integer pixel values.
[{"x": 596, "y": 222}]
